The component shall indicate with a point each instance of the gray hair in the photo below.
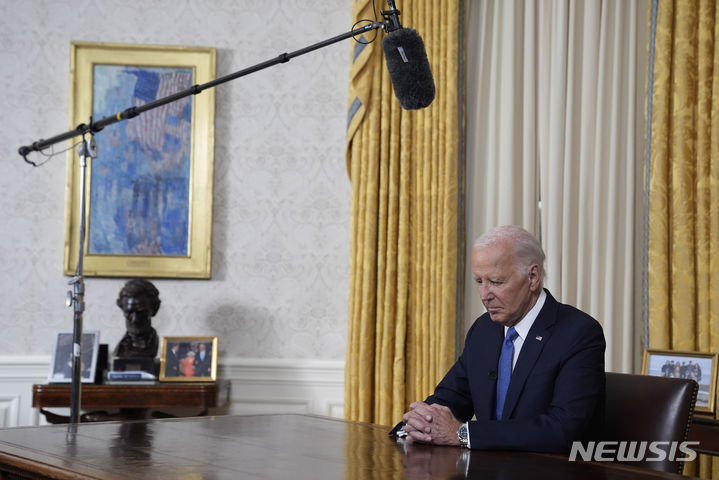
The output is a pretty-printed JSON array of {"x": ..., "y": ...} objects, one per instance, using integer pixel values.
[{"x": 527, "y": 249}]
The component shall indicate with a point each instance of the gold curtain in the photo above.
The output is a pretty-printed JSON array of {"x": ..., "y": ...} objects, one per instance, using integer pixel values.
[
  {"x": 683, "y": 280},
  {"x": 406, "y": 217}
]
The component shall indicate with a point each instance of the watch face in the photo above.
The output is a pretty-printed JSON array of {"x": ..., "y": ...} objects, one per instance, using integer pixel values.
[{"x": 462, "y": 433}]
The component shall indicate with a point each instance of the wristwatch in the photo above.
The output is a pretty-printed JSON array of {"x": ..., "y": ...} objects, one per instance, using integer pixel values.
[{"x": 463, "y": 435}]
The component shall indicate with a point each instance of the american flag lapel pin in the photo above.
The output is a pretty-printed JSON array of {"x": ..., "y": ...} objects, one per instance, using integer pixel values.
[{"x": 539, "y": 338}]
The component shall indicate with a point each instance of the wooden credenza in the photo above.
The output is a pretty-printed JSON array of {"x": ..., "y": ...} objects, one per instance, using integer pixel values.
[{"x": 132, "y": 402}]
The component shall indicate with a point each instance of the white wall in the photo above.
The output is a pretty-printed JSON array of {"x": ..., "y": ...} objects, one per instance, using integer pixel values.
[{"x": 282, "y": 196}]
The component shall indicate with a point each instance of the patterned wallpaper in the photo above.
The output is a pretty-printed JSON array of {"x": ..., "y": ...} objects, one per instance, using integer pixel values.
[{"x": 282, "y": 194}]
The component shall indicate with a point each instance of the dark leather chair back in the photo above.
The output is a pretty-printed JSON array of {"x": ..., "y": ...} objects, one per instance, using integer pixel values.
[{"x": 647, "y": 408}]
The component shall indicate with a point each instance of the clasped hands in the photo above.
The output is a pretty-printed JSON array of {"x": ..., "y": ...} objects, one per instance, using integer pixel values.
[{"x": 433, "y": 423}]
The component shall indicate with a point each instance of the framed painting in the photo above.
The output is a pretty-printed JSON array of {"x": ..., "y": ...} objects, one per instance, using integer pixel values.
[
  {"x": 149, "y": 190},
  {"x": 188, "y": 359},
  {"x": 61, "y": 363},
  {"x": 701, "y": 367}
]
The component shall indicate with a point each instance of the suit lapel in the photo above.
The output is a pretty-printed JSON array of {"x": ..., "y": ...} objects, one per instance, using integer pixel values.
[{"x": 532, "y": 348}]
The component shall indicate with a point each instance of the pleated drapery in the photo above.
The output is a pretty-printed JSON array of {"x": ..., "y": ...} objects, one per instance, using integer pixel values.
[
  {"x": 683, "y": 258},
  {"x": 554, "y": 115},
  {"x": 406, "y": 216}
]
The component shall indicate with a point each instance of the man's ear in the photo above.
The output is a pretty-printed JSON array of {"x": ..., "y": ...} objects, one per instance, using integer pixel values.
[{"x": 534, "y": 276}]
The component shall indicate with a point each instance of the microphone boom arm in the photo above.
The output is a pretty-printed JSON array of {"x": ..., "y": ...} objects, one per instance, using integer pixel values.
[{"x": 132, "y": 112}]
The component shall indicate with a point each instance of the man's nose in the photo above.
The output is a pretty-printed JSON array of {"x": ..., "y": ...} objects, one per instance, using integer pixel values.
[{"x": 485, "y": 291}]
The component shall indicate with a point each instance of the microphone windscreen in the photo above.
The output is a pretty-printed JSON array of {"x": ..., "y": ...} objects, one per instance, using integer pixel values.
[{"x": 408, "y": 68}]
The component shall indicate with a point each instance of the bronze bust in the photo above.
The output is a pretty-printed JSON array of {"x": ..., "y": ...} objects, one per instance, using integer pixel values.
[{"x": 139, "y": 301}]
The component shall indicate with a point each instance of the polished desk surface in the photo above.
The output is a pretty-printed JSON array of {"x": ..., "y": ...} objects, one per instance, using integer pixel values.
[{"x": 267, "y": 447}]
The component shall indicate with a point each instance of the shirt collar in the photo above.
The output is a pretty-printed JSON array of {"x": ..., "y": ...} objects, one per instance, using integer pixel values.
[{"x": 522, "y": 327}]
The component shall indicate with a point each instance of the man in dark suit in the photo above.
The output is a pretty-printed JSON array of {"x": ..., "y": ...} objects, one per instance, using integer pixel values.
[
  {"x": 172, "y": 361},
  {"x": 549, "y": 356},
  {"x": 203, "y": 362}
]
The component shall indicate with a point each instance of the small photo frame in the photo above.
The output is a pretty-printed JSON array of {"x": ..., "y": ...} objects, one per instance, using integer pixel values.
[
  {"x": 701, "y": 367},
  {"x": 62, "y": 353},
  {"x": 188, "y": 359}
]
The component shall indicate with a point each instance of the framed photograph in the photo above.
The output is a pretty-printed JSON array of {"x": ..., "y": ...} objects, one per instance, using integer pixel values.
[
  {"x": 701, "y": 367},
  {"x": 188, "y": 359},
  {"x": 149, "y": 191},
  {"x": 61, "y": 363}
]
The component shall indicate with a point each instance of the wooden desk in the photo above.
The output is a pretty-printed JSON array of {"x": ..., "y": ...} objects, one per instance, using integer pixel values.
[
  {"x": 133, "y": 401},
  {"x": 267, "y": 447}
]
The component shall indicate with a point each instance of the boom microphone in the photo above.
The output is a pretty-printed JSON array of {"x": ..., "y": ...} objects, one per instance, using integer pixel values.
[{"x": 407, "y": 63}]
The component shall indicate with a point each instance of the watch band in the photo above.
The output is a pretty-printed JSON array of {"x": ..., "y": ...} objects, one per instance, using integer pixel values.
[{"x": 463, "y": 435}]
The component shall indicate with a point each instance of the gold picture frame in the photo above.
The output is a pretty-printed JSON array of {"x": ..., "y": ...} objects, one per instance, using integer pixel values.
[
  {"x": 182, "y": 359},
  {"x": 150, "y": 213},
  {"x": 701, "y": 367}
]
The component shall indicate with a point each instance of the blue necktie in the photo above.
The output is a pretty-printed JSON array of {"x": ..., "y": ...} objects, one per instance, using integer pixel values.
[{"x": 505, "y": 370}]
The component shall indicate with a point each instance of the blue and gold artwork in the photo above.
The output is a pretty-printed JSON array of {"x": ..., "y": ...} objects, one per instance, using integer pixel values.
[{"x": 140, "y": 182}]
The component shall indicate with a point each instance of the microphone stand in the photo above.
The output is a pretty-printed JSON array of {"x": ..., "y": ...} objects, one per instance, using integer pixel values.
[{"x": 76, "y": 297}]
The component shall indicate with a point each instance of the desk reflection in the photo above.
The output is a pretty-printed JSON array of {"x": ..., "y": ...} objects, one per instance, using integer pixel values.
[
  {"x": 415, "y": 461},
  {"x": 428, "y": 462},
  {"x": 133, "y": 443},
  {"x": 421, "y": 462}
]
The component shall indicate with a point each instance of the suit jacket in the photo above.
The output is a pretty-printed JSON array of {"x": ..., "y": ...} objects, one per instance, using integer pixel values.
[
  {"x": 173, "y": 364},
  {"x": 203, "y": 368},
  {"x": 556, "y": 392}
]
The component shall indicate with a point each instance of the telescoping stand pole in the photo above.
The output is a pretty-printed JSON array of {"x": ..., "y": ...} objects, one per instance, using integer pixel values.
[
  {"x": 76, "y": 297},
  {"x": 88, "y": 150}
]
